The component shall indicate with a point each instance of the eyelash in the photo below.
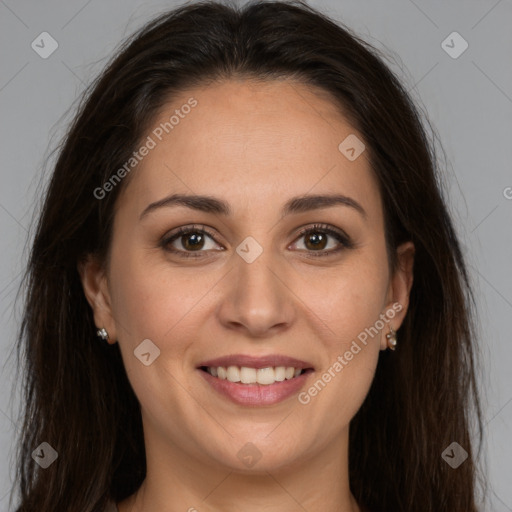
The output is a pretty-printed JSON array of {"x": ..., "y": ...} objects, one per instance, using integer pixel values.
[{"x": 339, "y": 235}]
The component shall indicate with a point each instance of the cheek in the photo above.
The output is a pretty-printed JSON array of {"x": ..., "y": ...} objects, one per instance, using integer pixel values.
[
  {"x": 351, "y": 343},
  {"x": 347, "y": 300},
  {"x": 138, "y": 304},
  {"x": 365, "y": 304},
  {"x": 150, "y": 299},
  {"x": 147, "y": 298}
]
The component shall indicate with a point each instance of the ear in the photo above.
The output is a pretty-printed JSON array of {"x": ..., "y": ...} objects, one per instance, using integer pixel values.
[
  {"x": 95, "y": 285},
  {"x": 400, "y": 284}
]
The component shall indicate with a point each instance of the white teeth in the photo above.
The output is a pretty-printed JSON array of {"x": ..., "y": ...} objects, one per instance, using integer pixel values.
[
  {"x": 246, "y": 375},
  {"x": 280, "y": 373},
  {"x": 266, "y": 376},
  {"x": 233, "y": 374}
]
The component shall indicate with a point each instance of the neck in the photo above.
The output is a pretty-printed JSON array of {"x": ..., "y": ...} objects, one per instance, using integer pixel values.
[{"x": 177, "y": 481}]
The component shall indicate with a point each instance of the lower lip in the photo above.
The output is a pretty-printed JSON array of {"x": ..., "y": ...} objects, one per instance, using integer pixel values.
[{"x": 256, "y": 394}]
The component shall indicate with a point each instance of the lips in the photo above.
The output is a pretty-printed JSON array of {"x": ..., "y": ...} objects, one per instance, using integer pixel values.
[{"x": 256, "y": 381}]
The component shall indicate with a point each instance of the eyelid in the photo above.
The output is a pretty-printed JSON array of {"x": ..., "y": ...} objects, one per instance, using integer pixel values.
[
  {"x": 343, "y": 239},
  {"x": 322, "y": 227},
  {"x": 339, "y": 234},
  {"x": 183, "y": 230}
]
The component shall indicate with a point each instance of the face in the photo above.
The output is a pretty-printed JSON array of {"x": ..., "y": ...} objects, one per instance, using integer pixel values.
[{"x": 244, "y": 287}]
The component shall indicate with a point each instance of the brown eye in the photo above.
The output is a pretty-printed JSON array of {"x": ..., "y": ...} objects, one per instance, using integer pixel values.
[
  {"x": 187, "y": 241},
  {"x": 192, "y": 241},
  {"x": 316, "y": 239}
]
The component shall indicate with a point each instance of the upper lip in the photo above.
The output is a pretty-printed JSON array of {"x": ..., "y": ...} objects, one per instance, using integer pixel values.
[{"x": 256, "y": 362}]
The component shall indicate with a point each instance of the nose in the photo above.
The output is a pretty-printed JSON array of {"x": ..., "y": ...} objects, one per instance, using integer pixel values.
[{"x": 257, "y": 300}]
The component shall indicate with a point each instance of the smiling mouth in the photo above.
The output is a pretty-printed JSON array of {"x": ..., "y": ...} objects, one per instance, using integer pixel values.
[{"x": 262, "y": 376}]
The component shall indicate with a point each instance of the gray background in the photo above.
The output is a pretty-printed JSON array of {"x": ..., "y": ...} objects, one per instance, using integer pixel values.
[{"x": 468, "y": 99}]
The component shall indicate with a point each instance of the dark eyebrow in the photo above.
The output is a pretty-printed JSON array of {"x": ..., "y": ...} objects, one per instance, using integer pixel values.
[{"x": 297, "y": 204}]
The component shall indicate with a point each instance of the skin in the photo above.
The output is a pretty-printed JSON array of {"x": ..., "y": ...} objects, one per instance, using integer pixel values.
[{"x": 255, "y": 145}]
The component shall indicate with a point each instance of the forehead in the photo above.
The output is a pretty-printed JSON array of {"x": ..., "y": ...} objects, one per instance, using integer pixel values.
[{"x": 251, "y": 142}]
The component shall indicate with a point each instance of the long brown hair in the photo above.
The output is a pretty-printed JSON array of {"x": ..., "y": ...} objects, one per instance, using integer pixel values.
[{"x": 76, "y": 393}]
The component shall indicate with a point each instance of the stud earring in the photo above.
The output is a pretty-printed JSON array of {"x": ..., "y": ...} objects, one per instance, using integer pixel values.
[
  {"x": 391, "y": 337},
  {"x": 102, "y": 333}
]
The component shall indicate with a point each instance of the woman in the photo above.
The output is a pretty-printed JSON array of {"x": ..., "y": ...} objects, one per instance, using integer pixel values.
[{"x": 245, "y": 291}]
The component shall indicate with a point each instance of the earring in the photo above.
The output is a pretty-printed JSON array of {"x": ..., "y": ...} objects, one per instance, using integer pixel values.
[
  {"x": 102, "y": 333},
  {"x": 391, "y": 336}
]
